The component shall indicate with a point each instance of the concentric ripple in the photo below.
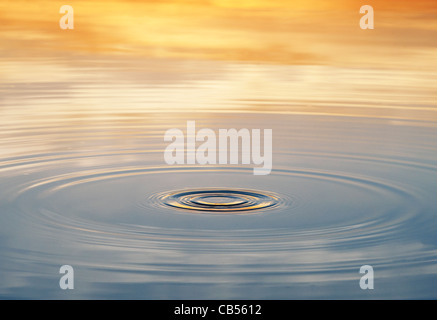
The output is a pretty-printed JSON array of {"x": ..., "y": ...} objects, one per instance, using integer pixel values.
[
  {"x": 219, "y": 200},
  {"x": 84, "y": 183}
]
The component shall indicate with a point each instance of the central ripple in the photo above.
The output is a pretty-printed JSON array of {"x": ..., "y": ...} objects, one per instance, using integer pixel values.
[{"x": 219, "y": 200}]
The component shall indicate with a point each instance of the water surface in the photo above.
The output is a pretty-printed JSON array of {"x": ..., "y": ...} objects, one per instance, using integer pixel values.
[{"x": 84, "y": 181}]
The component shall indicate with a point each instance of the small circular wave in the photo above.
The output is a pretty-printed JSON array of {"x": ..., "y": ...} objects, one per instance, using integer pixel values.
[{"x": 219, "y": 200}]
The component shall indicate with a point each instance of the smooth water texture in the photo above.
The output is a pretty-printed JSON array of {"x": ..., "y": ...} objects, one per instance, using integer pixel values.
[{"x": 84, "y": 182}]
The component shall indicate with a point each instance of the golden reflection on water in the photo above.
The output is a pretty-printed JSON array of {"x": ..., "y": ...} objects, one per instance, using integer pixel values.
[
  {"x": 284, "y": 32},
  {"x": 281, "y": 57},
  {"x": 124, "y": 91}
]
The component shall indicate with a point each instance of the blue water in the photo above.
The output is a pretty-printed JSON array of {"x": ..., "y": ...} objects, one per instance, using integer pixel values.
[{"x": 83, "y": 177}]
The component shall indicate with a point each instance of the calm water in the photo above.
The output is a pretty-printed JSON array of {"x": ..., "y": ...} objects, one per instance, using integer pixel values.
[{"x": 84, "y": 182}]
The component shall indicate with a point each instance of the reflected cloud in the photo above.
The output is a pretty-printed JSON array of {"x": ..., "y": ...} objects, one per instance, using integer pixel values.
[{"x": 284, "y": 32}]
